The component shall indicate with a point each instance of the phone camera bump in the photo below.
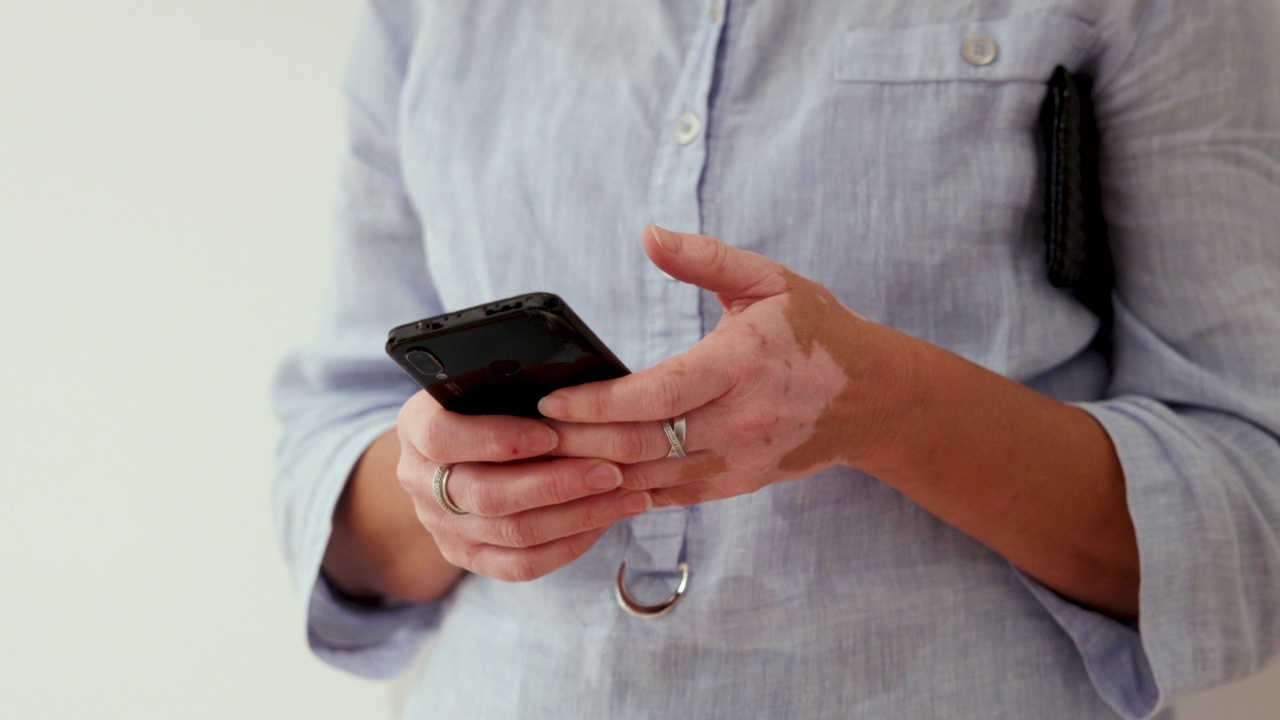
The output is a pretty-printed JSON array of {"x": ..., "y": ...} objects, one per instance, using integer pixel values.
[{"x": 424, "y": 362}]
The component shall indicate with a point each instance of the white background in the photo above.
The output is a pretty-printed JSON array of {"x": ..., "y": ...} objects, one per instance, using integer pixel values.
[{"x": 166, "y": 175}]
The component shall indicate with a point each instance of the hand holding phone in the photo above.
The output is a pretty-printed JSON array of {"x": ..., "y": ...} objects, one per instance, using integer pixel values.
[{"x": 497, "y": 360}]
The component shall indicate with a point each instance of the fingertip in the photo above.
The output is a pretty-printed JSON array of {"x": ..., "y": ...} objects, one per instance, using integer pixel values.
[
  {"x": 539, "y": 439},
  {"x": 636, "y": 503},
  {"x": 604, "y": 476},
  {"x": 554, "y": 406},
  {"x": 670, "y": 242}
]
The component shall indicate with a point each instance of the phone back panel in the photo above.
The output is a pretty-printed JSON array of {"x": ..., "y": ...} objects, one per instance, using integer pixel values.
[{"x": 502, "y": 357}]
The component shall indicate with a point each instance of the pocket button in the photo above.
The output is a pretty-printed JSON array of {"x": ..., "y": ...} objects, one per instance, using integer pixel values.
[{"x": 979, "y": 50}]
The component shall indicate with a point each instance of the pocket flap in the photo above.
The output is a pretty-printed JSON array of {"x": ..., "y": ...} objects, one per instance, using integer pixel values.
[{"x": 1026, "y": 48}]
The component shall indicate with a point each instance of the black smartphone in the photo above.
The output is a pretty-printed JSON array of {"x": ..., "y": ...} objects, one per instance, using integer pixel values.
[{"x": 500, "y": 358}]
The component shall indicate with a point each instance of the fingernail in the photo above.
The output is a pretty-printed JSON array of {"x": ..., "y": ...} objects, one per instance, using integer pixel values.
[
  {"x": 604, "y": 477},
  {"x": 553, "y": 406},
  {"x": 636, "y": 503},
  {"x": 539, "y": 439},
  {"x": 666, "y": 239}
]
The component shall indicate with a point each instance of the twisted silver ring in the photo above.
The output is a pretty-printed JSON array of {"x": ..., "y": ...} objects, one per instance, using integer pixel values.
[
  {"x": 440, "y": 488},
  {"x": 674, "y": 428}
]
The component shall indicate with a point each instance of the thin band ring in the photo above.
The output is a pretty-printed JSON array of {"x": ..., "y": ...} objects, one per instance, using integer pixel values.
[
  {"x": 675, "y": 428},
  {"x": 440, "y": 488}
]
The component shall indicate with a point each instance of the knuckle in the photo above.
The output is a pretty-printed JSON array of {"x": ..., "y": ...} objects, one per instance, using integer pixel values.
[
  {"x": 557, "y": 484},
  {"x": 596, "y": 514},
  {"x": 484, "y": 499},
  {"x": 496, "y": 445},
  {"x": 746, "y": 364},
  {"x": 425, "y": 519},
  {"x": 719, "y": 256},
  {"x": 755, "y": 422},
  {"x": 628, "y": 447},
  {"x": 463, "y": 557},
  {"x": 435, "y": 439},
  {"x": 523, "y": 569},
  {"x": 597, "y": 400},
  {"x": 478, "y": 558},
  {"x": 644, "y": 479},
  {"x": 414, "y": 477},
  {"x": 544, "y": 487},
  {"x": 664, "y": 395},
  {"x": 406, "y": 476},
  {"x": 410, "y": 418},
  {"x": 515, "y": 533}
]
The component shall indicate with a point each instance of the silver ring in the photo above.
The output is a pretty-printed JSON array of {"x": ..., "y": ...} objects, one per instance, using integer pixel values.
[
  {"x": 440, "y": 488},
  {"x": 674, "y": 428}
]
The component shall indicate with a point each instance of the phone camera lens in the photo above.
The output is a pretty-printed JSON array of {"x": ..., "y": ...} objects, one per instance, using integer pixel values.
[
  {"x": 504, "y": 367},
  {"x": 424, "y": 362}
]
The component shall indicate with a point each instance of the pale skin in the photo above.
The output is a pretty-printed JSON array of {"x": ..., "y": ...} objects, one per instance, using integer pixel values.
[{"x": 789, "y": 383}]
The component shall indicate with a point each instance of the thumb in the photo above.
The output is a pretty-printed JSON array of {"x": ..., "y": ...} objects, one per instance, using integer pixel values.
[{"x": 732, "y": 274}]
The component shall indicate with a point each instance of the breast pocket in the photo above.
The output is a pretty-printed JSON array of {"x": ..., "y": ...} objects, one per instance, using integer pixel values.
[
  {"x": 1017, "y": 49},
  {"x": 947, "y": 117}
]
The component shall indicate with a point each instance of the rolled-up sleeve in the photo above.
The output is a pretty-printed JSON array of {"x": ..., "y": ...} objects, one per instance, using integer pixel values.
[
  {"x": 339, "y": 392},
  {"x": 1189, "y": 111}
]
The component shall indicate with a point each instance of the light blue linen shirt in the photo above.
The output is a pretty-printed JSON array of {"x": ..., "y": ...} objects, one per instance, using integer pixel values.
[{"x": 506, "y": 146}]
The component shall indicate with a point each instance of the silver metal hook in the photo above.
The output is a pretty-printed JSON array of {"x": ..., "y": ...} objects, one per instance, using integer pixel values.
[{"x": 641, "y": 610}]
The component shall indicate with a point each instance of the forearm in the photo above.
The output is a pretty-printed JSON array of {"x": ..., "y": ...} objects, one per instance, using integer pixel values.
[
  {"x": 1034, "y": 479},
  {"x": 378, "y": 547}
]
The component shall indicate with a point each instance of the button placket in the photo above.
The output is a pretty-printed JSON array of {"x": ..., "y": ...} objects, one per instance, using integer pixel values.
[
  {"x": 673, "y": 192},
  {"x": 717, "y": 11},
  {"x": 655, "y": 556}
]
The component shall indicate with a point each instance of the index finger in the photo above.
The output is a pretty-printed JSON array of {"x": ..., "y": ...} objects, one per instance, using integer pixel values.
[{"x": 447, "y": 437}]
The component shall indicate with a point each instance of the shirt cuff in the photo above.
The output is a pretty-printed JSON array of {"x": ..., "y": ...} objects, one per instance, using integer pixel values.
[
  {"x": 1113, "y": 653},
  {"x": 374, "y": 642},
  {"x": 1191, "y": 582}
]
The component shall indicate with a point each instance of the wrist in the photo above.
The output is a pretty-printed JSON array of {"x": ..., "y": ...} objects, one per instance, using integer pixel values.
[
  {"x": 378, "y": 548},
  {"x": 349, "y": 596},
  {"x": 898, "y": 385}
]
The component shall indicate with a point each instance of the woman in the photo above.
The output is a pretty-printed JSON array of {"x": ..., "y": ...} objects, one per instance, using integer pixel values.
[{"x": 912, "y": 487}]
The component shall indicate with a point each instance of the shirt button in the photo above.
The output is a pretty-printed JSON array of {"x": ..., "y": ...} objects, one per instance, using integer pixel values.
[
  {"x": 979, "y": 50},
  {"x": 717, "y": 10},
  {"x": 688, "y": 127}
]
